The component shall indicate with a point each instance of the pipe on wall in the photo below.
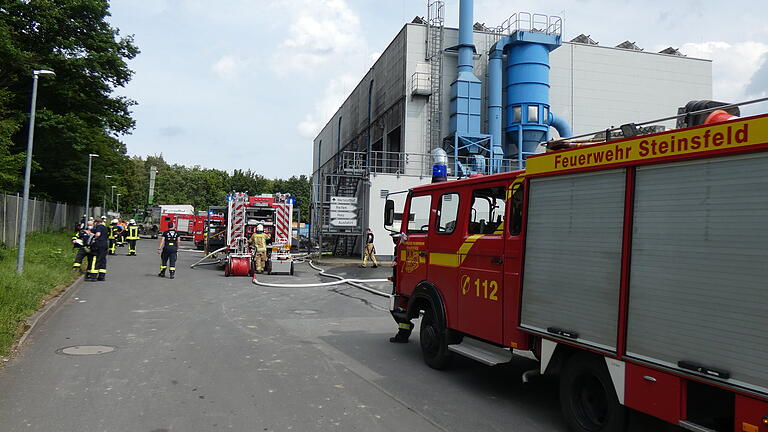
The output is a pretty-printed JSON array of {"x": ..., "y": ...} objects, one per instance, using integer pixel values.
[
  {"x": 561, "y": 125},
  {"x": 495, "y": 78}
]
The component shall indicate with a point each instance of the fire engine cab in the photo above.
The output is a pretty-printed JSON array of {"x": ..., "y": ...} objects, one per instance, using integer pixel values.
[{"x": 636, "y": 270}]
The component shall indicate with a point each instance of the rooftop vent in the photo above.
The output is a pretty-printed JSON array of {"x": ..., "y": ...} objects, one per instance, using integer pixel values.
[
  {"x": 584, "y": 39},
  {"x": 629, "y": 45},
  {"x": 418, "y": 20},
  {"x": 671, "y": 51}
]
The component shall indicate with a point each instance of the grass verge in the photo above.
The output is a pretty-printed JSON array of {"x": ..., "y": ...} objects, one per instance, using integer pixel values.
[{"x": 47, "y": 270}]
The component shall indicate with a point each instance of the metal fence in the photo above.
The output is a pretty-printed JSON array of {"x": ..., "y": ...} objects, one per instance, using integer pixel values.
[{"x": 41, "y": 216}]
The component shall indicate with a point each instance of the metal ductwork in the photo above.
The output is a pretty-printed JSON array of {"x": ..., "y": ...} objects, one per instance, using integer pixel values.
[
  {"x": 466, "y": 100},
  {"x": 527, "y": 109}
]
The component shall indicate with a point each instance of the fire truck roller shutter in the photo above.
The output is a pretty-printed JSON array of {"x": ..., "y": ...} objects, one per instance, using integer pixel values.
[
  {"x": 573, "y": 256},
  {"x": 700, "y": 267}
]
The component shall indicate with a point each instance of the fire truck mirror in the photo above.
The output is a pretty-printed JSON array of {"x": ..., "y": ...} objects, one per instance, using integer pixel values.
[{"x": 389, "y": 213}]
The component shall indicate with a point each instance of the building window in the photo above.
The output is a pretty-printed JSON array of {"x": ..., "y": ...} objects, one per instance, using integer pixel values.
[
  {"x": 418, "y": 214},
  {"x": 487, "y": 214},
  {"x": 448, "y": 213},
  {"x": 533, "y": 113},
  {"x": 516, "y": 113}
]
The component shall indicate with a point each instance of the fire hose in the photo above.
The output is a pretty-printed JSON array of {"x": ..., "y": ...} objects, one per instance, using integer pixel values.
[{"x": 357, "y": 283}]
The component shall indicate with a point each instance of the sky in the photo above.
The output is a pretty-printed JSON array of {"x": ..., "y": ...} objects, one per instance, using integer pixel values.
[{"x": 247, "y": 84}]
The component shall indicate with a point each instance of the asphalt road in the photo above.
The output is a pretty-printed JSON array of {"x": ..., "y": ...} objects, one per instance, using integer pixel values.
[{"x": 207, "y": 353}]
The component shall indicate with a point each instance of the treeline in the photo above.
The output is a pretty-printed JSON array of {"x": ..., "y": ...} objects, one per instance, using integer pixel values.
[
  {"x": 201, "y": 187},
  {"x": 78, "y": 114}
]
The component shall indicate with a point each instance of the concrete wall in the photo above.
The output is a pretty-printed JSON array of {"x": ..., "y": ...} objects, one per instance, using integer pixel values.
[
  {"x": 388, "y": 74},
  {"x": 596, "y": 87}
]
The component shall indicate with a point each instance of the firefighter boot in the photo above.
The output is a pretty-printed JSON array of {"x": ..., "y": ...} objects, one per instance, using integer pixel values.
[
  {"x": 403, "y": 333},
  {"x": 162, "y": 272},
  {"x": 173, "y": 273},
  {"x": 102, "y": 277}
]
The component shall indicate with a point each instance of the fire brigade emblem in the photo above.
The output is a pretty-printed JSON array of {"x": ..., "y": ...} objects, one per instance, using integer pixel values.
[{"x": 411, "y": 259}]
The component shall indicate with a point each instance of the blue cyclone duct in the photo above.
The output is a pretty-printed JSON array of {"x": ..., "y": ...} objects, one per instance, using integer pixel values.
[
  {"x": 528, "y": 115},
  {"x": 466, "y": 99},
  {"x": 466, "y": 91}
]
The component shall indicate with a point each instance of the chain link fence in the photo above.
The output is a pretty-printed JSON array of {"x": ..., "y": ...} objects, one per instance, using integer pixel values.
[{"x": 41, "y": 216}]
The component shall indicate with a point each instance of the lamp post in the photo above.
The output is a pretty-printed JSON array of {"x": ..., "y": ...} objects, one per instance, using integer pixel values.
[
  {"x": 28, "y": 170},
  {"x": 112, "y": 195},
  {"x": 88, "y": 187},
  {"x": 117, "y": 210}
]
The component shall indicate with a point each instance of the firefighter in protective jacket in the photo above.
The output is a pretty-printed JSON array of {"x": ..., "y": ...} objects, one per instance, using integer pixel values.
[
  {"x": 80, "y": 242},
  {"x": 258, "y": 242},
  {"x": 169, "y": 247},
  {"x": 132, "y": 237},
  {"x": 113, "y": 233}
]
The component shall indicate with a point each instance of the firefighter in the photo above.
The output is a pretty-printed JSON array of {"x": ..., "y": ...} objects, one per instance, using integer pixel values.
[
  {"x": 113, "y": 230},
  {"x": 258, "y": 242},
  {"x": 97, "y": 257},
  {"x": 122, "y": 232},
  {"x": 80, "y": 242},
  {"x": 169, "y": 246},
  {"x": 370, "y": 250},
  {"x": 132, "y": 237}
]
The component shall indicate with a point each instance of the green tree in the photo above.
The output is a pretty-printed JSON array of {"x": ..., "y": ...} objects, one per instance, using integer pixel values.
[{"x": 77, "y": 111}]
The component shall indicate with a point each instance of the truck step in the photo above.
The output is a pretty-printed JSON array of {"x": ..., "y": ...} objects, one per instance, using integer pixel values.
[
  {"x": 483, "y": 352},
  {"x": 685, "y": 424}
]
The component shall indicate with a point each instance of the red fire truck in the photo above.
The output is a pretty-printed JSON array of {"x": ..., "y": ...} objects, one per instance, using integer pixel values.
[
  {"x": 636, "y": 270},
  {"x": 209, "y": 224}
]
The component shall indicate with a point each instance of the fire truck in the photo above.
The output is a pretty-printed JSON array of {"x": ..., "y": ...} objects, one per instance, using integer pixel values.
[
  {"x": 635, "y": 270},
  {"x": 210, "y": 228},
  {"x": 244, "y": 213}
]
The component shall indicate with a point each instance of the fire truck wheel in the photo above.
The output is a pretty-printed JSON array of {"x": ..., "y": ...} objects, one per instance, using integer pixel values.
[
  {"x": 587, "y": 397},
  {"x": 291, "y": 269},
  {"x": 227, "y": 269},
  {"x": 434, "y": 346}
]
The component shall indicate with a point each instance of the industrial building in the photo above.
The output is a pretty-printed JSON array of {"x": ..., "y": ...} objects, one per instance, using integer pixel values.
[{"x": 488, "y": 97}]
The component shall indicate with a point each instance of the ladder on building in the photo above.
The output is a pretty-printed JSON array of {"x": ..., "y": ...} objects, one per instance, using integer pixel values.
[{"x": 435, "y": 23}]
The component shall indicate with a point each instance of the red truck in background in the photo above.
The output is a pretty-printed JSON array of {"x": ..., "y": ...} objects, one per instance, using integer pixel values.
[
  {"x": 635, "y": 270},
  {"x": 183, "y": 218},
  {"x": 210, "y": 224}
]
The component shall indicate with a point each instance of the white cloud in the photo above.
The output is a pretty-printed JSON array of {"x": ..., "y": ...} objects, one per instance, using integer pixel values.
[
  {"x": 320, "y": 31},
  {"x": 733, "y": 65},
  {"x": 335, "y": 93},
  {"x": 227, "y": 67}
]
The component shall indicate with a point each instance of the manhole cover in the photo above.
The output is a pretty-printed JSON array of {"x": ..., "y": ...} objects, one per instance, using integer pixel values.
[
  {"x": 306, "y": 312},
  {"x": 86, "y": 350}
]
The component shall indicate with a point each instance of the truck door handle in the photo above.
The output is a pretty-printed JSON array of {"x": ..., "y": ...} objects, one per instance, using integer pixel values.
[{"x": 497, "y": 261}]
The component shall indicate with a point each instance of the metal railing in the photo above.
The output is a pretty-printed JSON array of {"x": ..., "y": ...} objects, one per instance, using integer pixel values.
[
  {"x": 539, "y": 23},
  {"x": 421, "y": 83},
  {"x": 420, "y": 164}
]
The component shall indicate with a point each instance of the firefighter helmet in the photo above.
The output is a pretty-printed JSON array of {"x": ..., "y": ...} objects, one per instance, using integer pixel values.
[
  {"x": 259, "y": 228},
  {"x": 132, "y": 222}
]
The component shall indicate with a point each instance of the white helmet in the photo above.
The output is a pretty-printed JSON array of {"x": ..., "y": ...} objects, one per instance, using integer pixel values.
[
  {"x": 259, "y": 228},
  {"x": 132, "y": 222},
  {"x": 114, "y": 221}
]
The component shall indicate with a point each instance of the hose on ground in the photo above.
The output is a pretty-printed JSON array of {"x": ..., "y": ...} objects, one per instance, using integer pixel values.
[{"x": 357, "y": 283}]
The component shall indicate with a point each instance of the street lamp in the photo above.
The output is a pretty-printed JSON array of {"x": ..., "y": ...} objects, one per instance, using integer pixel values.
[
  {"x": 117, "y": 210},
  {"x": 88, "y": 187},
  {"x": 112, "y": 196},
  {"x": 36, "y": 74}
]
